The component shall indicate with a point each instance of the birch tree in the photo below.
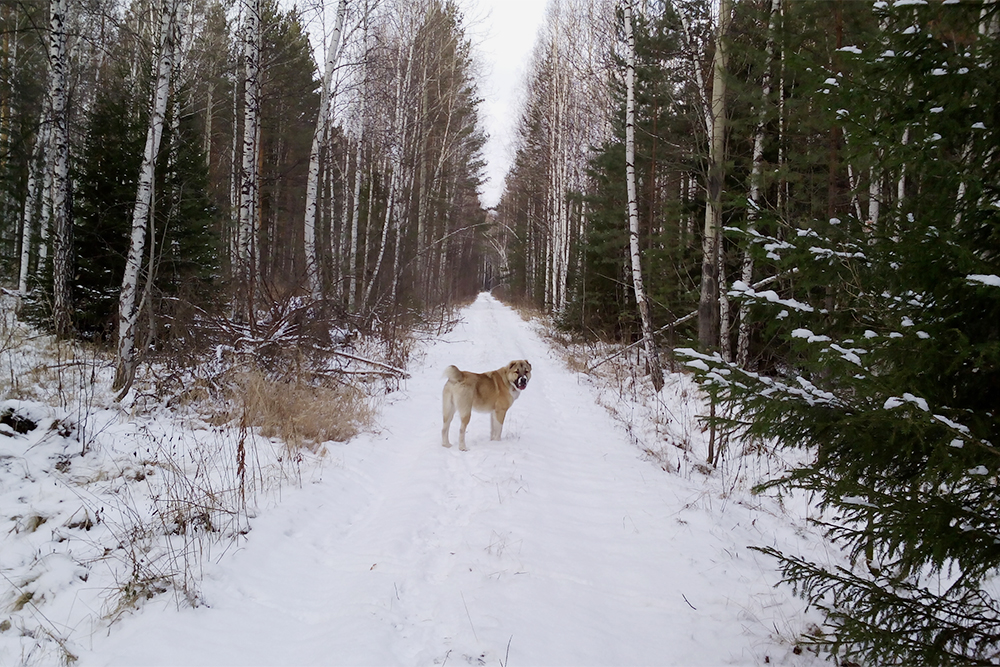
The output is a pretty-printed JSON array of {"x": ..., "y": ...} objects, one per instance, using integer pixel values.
[
  {"x": 756, "y": 178},
  {"x": 59, "y": 165},
  {"x": 351, "y": 281},
  {"x": 128, "y": 313},
  {"x": 31, "y": 205},
  {"x": 250, "y": 152},
  {"x": 652, "y": 358},
  {"x": 312, "y": 185},
  {"x": 708, "y": 305}
]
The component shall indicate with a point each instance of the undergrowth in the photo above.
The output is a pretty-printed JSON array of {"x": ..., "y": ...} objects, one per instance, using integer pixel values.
[{"x": 147, "y": 491}]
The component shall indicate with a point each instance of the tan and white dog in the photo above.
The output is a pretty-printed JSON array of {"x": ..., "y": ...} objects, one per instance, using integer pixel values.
[{"x": 492, "y": 392}]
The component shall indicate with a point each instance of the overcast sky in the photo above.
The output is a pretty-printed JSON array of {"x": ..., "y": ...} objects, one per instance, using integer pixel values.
[{"x": 503, "y": 32}]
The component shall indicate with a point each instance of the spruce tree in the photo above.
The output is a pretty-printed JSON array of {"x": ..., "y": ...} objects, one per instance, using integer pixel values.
[
  {"x": 105, "y": 193},
  {"x": 184, "y": 247},
  {"x": 602, "y": 299},
  {"x": 891, "y": 334}
]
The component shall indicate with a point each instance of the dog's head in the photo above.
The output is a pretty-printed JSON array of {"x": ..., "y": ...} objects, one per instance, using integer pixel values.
[{"x": 519, "y": 372}]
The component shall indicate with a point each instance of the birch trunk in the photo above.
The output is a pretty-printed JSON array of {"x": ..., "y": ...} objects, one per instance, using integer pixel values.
[
  {"x": 60, "y": 170},
  {"x": 874, "y": 195},
  {"x": 394, "y": 167},
  {"x": 243, "y": 307},
  {"x": 756, "y": 174},
  {"x": 312, "y": 184},
  {"x": 352, "y": 277},
  {"x": 652, "y": 359},
  {"x": 127, "y": 312},
  {"x": 708, "y": 315},
  {"x": 31, "y": 203},
  {"x": 352, "y": 269}
]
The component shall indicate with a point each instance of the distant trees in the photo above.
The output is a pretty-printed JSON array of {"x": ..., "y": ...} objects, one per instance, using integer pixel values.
[
  {"x": 195, "y": 142},
  {"x": 542, "y": 215}
]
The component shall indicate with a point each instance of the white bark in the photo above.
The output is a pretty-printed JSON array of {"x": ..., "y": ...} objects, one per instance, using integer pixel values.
[
  {"x": 352, "y": 271},
  {"x": 652, "y": 359},
  {"x": 59, "y": 164},
  {"x": 901, "y": 183},
  {"x": 245, "y": 266},
  {"x": 756, "y": 176},
  {"x": 708, "y": 333},
  {"x": 394, "y": 167},
  {"x": 127, "y": 312},
  {"x": 312, "y": 183},
  {"x": 874, "y": 196},
  {"x": 31, "y": 204}
]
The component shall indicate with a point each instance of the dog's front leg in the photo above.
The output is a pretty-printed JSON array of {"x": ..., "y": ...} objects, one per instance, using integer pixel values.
[{"x": 496, "y": 423}]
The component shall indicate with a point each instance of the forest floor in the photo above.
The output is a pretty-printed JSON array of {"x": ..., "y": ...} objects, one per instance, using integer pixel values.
[{"x": 590, "y": 534}]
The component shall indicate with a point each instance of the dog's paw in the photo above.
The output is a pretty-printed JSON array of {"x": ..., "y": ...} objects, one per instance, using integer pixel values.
[{"x": 446, "y": 444}]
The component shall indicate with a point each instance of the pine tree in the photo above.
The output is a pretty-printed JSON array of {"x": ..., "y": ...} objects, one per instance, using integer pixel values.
[{"x": 892, "y": 336}]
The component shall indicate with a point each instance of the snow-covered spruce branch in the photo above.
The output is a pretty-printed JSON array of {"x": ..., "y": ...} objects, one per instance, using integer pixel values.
[{"x": 723, "y": 375}]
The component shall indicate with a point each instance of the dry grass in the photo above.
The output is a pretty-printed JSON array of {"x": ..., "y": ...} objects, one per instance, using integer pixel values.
[{"x": 300, "y": 414}]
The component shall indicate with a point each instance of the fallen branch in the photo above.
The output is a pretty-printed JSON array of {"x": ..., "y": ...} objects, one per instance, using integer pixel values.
[{"x": 396, "y": 371}]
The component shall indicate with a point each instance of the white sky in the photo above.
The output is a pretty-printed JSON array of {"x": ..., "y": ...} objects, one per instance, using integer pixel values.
[{"x": 503, "y": 32}]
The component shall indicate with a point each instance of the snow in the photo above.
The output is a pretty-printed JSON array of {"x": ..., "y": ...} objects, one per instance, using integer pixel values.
[
  {"x": 810, "y": 336},
  {"x": 741, "y": 289},
  {"x": 564, "y": 543},
  {"x": 896, "y": 401},
  {"x": 991, "y": 280}
]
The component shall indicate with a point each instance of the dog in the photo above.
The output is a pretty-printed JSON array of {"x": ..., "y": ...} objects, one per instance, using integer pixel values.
[{"x": 492, "y": 392}]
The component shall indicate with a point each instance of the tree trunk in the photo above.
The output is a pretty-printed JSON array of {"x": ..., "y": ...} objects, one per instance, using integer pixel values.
[
  {"x": 756, "y": 177},
  {"x": 394, "y": 167},
  {"x": 708, "y": 314},
  {"x": 312, "y": 184},
  {"x": 652, "y": 359},
  {"x": 248, "y": 223},
  {"x": 61, "y": 228},
  {"x": 31, "y": 204},
  {"x": 127, "y": 312}
]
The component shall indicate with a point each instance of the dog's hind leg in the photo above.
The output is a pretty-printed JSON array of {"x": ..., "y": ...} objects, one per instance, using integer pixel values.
[
  {"x": 465, "y": 416},
  {"x": 448, "y": 404}
]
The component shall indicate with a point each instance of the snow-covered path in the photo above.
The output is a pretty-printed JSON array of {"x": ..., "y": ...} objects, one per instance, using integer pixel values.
[{"x": 558, "y": 545}]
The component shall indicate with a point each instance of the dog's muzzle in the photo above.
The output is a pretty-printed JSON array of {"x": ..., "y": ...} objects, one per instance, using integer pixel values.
[{"x": 521, "y": 383}]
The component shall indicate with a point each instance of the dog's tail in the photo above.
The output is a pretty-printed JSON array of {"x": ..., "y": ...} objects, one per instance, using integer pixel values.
[{"x": 453, "y": 374}]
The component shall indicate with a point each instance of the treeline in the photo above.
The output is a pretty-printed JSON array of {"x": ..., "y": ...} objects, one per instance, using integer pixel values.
[
  {"x": 163, "y": 158},
  {"x": 815, "y": 217}
]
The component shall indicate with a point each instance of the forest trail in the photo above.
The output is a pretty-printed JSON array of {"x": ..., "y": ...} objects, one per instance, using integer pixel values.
[{"x": 558, "y": 545}]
